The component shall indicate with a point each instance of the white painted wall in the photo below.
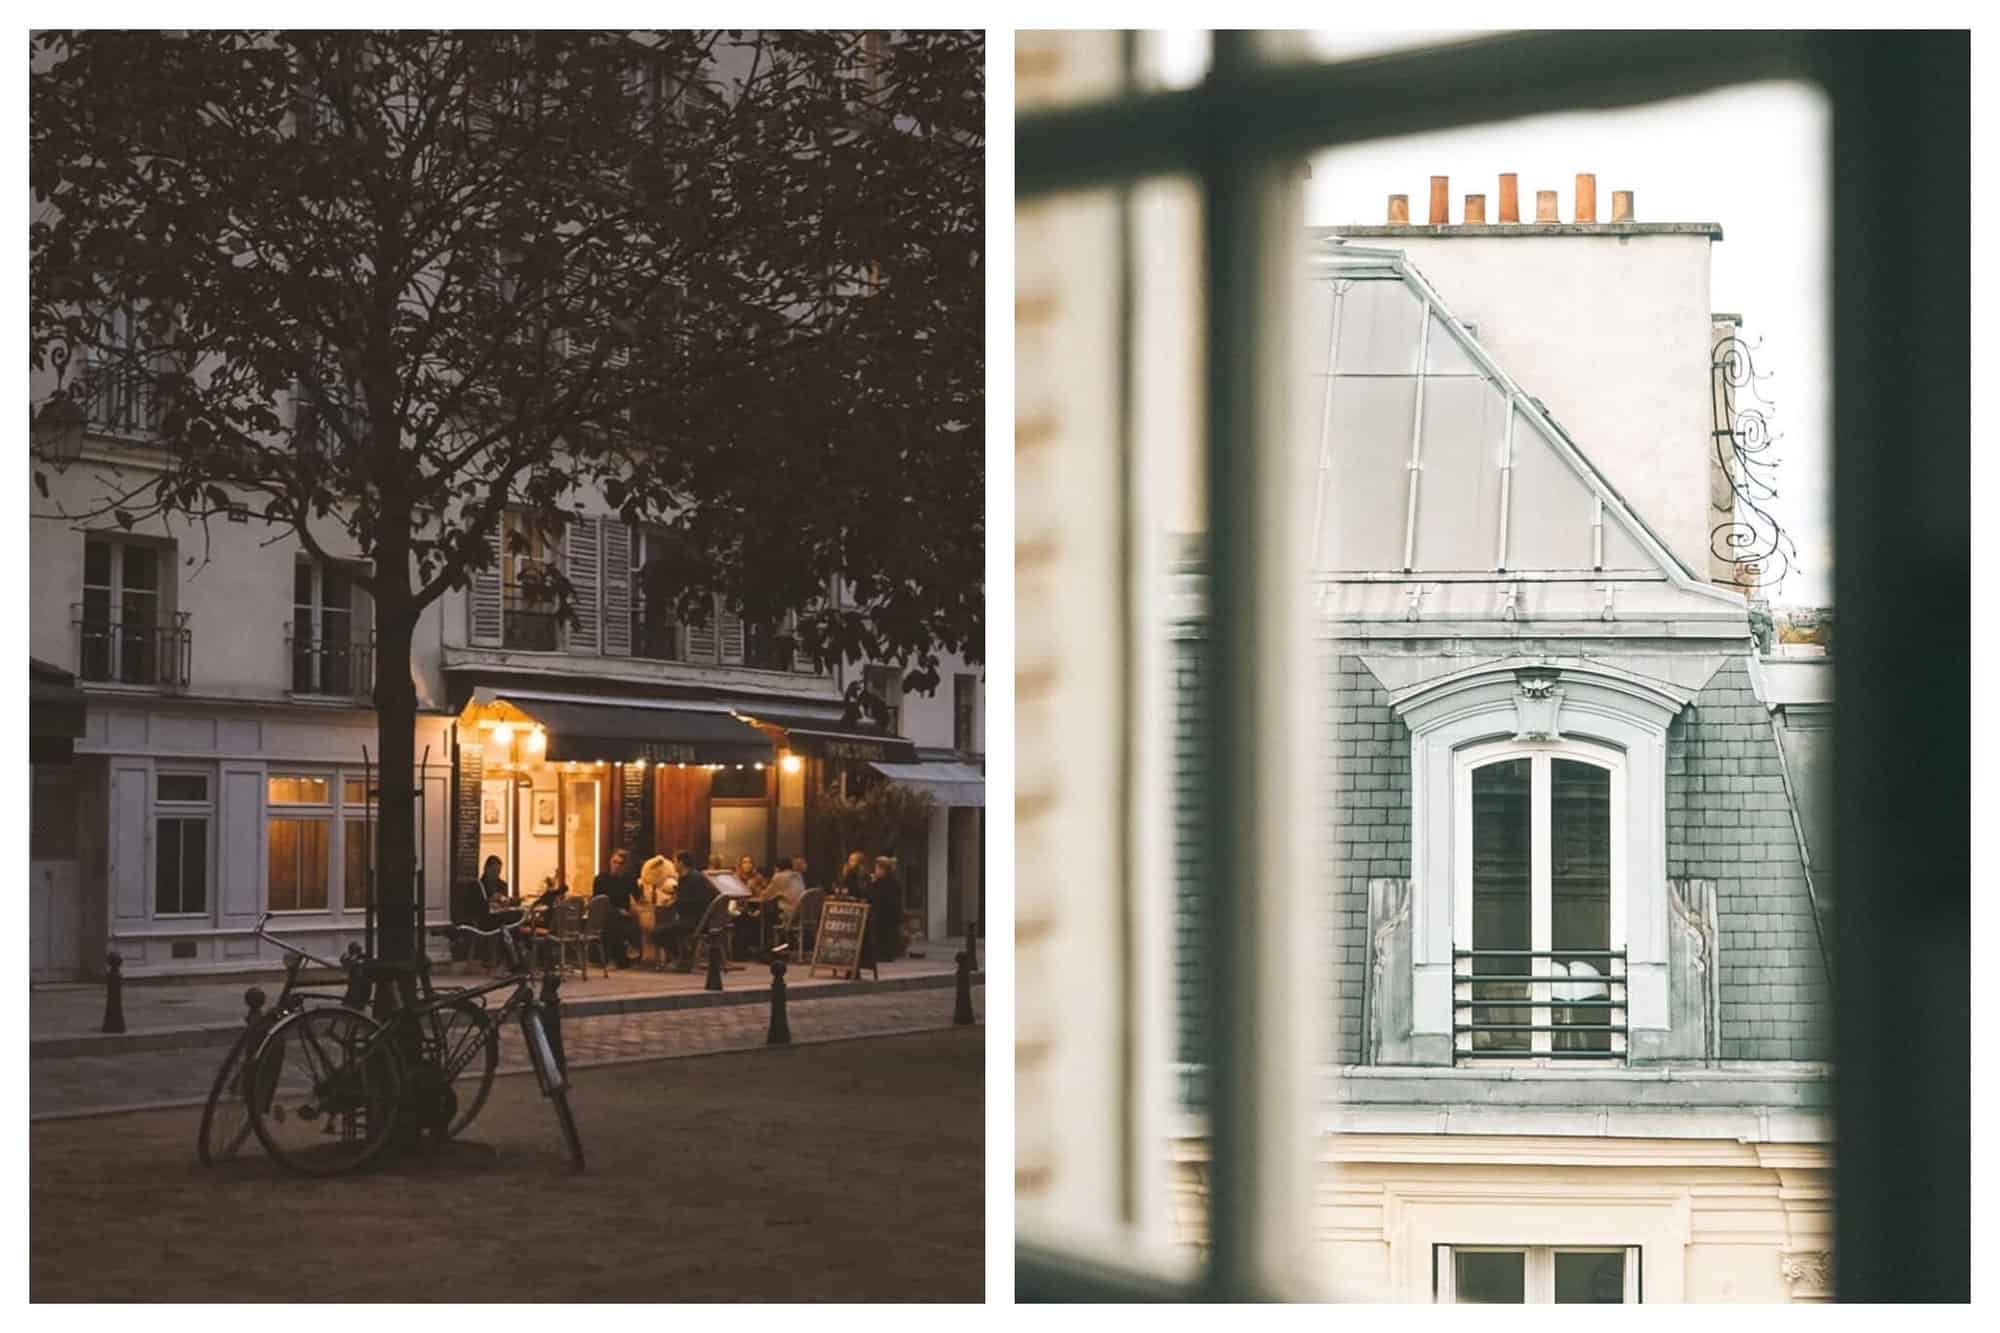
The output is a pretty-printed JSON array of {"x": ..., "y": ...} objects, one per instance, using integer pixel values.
[{"x": 1613, "y": 333}]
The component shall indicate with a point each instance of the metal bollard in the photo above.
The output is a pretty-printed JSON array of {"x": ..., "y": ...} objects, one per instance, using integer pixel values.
[
  {"x": 253, "y": 1000},
  {"x": 714, "y": 981},
  {"x": 552, "y": 1019},
  {"x": 961, "y": 1014},
  {"x": 781, "y": 1028},
  {"x": 114, "y": 994}
]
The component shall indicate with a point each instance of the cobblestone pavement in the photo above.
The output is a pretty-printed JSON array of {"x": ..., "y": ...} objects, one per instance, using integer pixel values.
[{"x": 84, "y": 1084}]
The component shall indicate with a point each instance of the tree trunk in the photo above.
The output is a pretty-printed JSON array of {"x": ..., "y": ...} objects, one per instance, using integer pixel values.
[{"x": 397, "y": 937}]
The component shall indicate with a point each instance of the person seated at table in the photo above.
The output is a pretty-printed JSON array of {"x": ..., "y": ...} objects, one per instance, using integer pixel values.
[
  {"x": 692, "y": 895},
  {"x": 621, "y": 888},
  {"x": 492, "y": 887},
  {"x": 853, "y": 877},
  {"x": 746, "y": 870},
  {"x": 656, "y": 880},
  {"x": 787, "y": 886}
]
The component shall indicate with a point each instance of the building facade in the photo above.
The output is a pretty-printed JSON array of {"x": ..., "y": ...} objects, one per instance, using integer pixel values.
[{"x": 1575, "y": 929}]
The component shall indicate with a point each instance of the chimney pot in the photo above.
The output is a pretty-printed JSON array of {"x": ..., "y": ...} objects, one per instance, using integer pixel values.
[
  {"x": 1440, "y": 201},
  {"x": 1510, "y": 197},
  {"x": 1545, "y": 206},
  {"x": 1621, "y": 206},
  {"x": 1475, "y": 210},
  {"x": 1586, "y": 196},
  {"x": 1399, "y": 210}
]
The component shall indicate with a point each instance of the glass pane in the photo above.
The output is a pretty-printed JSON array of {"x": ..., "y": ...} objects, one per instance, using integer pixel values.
[
  {"x": 97, "y": 564},
  {"x": 142, "y": 569},
  {"x": 302, "y": 587},
  {"x": 297, "y": 791},
  {"x": 182, "y": 787},
  {"x": 1580, "y": 887},
  {"x": 1490, "y": 1278},
  {"x": 354, "y": 791},
  {"x": 167, "y": 866},
  {"x": 359, "y": 835},
  {"x": 313, "y": 848},
  {"x": 194, "y": 865},
  {"x": 336, "y": 589},
  {"x": 1590, "y": 1279},
  {"x": 1501, "y": 840},
  {"x": 1381, "y": 325},
  {"x": 284, "y": 862}
]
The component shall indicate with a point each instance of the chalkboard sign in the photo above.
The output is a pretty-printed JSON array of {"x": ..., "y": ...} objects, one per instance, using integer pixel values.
[{"x": 837, "y": 947}]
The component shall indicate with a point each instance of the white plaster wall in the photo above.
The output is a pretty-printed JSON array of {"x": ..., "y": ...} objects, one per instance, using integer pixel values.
[
  {"x": 927, "y": 718},
  {"x": 1613, "y": 333}
]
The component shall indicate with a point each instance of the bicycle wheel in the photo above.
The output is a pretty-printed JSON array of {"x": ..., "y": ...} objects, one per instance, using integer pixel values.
[
  {"x": 554, "y": 1085},
  {"x": 225, "y": 1120},
  {"x": 324, "y": 1093},
  {"x": 467, "y": 1048}
]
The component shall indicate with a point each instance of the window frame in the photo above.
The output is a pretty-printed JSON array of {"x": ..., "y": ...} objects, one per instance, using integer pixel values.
[
  {"x": 1541, "y": 756},
  {"x": 183, "y": 811},
  {"x": 1539, "y": 1265},
  {"x": 325, "y": 812},
  {"x": 1901, "y": 107}
]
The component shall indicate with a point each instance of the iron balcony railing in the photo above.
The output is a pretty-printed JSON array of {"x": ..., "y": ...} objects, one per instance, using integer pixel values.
[
  {"x": 335, "y": 667},
  {"x": 531, "y": 624},
  {"x": 1529, "y": 1004},
  {"x": 153, "y": 650},
  {"x": 122, "y": 402}
]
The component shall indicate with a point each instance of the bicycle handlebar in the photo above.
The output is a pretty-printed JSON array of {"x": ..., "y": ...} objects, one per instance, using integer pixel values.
[{"x": 264, "y": 934}]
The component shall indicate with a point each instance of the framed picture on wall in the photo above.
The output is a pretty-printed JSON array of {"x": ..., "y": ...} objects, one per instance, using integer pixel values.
[
  {"x": 545, "y": 812},
  {"x": 489, "y": 815}
]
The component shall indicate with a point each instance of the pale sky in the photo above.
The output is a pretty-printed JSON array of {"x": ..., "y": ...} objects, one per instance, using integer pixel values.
[{"x": 1753, "y": 159}]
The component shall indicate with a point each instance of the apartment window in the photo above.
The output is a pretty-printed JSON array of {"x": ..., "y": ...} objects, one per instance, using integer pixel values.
[
  {"x": 122, "y": 397},
  {"x": 329, "y": 652},
  {"x": 299, "y": 839},
  {"x": 182, "y": 813},
  {"x": 529, "y": 558},
  {"x": 124, "y": 631},
  {"x": 656, "y": 631},
  {"x": 1539, "y": 897},
  {"x": 768, "y": 645},
  {"x": 886, "y": 684},
  {"x": 965, "y": 712},
  {"x": 1536, "y": 1275}
]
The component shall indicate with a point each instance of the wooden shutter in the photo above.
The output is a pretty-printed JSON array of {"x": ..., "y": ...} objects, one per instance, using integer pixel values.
[
  {"x": 482, "y": 600},
  {"x": 616, "y": 540},
  {"x": 582, "y": 555},
  {"x": 701, "y": 641},
  {"x": 729, "y": 629}
]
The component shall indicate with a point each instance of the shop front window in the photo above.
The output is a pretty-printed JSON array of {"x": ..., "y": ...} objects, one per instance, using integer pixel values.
[{"x": 299, "y": 842}]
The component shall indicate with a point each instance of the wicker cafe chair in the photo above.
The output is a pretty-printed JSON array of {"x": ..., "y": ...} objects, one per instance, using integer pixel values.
[
  {"x": 804, "y": 924},
  {"x": 713, "y": 933},
  {"x": 597, "y": 918},
  {"x": 566, "y": 933}
]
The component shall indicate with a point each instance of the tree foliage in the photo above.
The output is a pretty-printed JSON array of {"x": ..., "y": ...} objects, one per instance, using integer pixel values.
[{"x": 733, "y": 280}]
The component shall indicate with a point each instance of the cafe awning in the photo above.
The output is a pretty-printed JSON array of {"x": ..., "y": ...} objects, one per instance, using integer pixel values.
[
  {"x": 657, "y": 731},
  {"x": 947, "y": 783},
  {"x": 830, "y": 738}
]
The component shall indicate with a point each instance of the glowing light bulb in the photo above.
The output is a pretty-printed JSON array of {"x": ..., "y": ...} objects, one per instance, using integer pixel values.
[
  {"x": 503, "y": 734},
  {"x": 791, "y": 763},
  {"x": 537, "y": 740}
]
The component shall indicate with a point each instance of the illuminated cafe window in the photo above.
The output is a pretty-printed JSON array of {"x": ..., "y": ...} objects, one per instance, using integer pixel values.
[{"x": 1232, "y": 125}]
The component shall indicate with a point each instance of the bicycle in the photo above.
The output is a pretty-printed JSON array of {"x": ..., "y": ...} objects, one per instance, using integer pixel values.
[
  {"x": 225, "y": 1118},
  {"x": 330, "y": 1087}
]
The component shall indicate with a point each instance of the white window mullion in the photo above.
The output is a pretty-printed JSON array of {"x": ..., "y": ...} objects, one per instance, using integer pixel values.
[
  {"x": 1631, "y": 1275},
  {"x": 1540, "y": 1288},
  {"x": 1447, "y": 1276},
  {"x": 1540, "y": 894}
]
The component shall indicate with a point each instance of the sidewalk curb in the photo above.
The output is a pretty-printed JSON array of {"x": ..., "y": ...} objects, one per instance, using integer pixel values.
[
  {"x": 189, "y": 1103},
  {"x": 195, "y": 1036}
]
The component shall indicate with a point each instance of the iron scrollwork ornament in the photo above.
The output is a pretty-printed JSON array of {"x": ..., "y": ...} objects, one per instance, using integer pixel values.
[{"x": 1749, "y": 538}]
